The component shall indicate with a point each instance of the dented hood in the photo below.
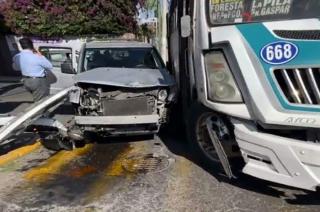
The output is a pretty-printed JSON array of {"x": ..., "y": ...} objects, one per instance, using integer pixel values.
[{"x": 126, "y": 77}]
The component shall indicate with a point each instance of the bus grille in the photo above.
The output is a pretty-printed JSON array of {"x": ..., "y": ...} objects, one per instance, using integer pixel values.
[
  {"x": 299, "y": 34},
  {"x": 300, "y": 85}
]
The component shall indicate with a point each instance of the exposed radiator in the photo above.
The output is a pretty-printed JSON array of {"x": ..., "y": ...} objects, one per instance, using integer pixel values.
[
  {"x": 300, "y": 85},
  {"x": 131, "y": 106}
]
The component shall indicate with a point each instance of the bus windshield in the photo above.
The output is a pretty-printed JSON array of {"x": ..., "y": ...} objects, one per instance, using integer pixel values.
[{"x": 245, "y": 11}]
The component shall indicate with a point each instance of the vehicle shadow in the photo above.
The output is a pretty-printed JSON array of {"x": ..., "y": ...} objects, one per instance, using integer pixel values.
[
  {"x": 177, "y": 144},
  {"x": 11, "y": 107},
  {"x": 8, "y": 88},
  {"x": 17, "y": 142},
  {"x": 65, "y": 109}
]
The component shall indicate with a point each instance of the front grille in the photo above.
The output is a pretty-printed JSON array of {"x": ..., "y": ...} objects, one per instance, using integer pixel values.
[
  {"x": 300, "y": 85},
  {"x": 127, "y": 107},
  {"x": 298, "y": 34}
]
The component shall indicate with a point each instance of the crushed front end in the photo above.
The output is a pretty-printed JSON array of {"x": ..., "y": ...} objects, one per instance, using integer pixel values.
[{"x": 118, "y": 111}]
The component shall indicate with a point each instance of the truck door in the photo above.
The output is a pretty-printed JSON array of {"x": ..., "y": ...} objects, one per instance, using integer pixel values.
[{"x": 58, "y": 56}]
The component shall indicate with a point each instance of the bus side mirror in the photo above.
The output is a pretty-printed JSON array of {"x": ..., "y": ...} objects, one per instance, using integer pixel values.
[{"x": 185, "y": 26}]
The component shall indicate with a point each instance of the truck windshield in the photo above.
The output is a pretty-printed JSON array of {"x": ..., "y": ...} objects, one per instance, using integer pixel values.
[
  {"x": 244, "y": 11},
  {"x": 141, "y": 58}
]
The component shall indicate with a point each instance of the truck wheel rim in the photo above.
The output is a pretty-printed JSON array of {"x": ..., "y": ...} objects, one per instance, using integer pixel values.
[{"x": 203, "y": 138}]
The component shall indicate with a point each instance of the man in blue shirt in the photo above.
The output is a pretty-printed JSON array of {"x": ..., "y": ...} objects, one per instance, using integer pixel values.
[{"x": 33, "y": 67}]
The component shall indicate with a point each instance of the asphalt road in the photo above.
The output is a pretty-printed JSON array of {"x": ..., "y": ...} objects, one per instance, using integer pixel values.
[{"x": 160, "y": 174}]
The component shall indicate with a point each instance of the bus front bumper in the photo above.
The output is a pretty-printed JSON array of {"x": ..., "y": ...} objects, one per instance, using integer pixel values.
[{"x": 278, "y": 159}]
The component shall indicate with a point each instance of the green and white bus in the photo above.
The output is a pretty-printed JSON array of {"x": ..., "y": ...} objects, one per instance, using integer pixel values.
[{"x": 249, "y": 80}]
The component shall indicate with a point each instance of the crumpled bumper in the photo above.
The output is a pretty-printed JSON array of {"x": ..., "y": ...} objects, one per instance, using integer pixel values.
[
  {"x": 278, "y": 159},
  {"x": 117, "y": 120},
  {"x": 120, "y": 125}
]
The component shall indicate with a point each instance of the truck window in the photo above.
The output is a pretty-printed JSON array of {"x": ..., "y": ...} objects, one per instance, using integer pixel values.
[
  {"x": 141, "y": 58},
  {"x": 244, "y": 11},
  {"x": 57, "y": 56}
]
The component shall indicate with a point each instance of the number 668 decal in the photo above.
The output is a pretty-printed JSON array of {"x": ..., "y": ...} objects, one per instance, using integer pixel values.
[{"x": 278, "y": 53}]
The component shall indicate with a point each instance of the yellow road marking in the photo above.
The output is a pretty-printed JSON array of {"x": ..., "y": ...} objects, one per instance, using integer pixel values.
[
  {"x": 55, "y": 164},
  {"x": 180, "y": 179},
  {"x": 100, "y": 185},
  {"x": 18, "y": 153},
  {"x": 115, "y": 169},
  {"x": 82, "y": 171}
]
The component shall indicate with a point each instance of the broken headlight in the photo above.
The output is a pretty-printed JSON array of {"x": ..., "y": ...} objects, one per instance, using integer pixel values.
[
  {"x": 162, "y": 95},
  {"x": 221, "y": 84}
]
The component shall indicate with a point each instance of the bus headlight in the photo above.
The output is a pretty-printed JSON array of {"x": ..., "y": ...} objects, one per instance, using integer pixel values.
[
  {"x": 223, "y": 91},
  {"x": 221, "y": 84}
]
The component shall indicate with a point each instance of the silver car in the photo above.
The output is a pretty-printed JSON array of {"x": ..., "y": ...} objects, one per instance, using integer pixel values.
[{"x": 122, "y": 88}]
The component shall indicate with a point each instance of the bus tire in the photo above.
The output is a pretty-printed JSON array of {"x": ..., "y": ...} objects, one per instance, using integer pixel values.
[{"x": 198, "y": 136}]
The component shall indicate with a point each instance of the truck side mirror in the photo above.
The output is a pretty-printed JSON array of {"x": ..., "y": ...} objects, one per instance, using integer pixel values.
[
  {"x": 185, "y": 23},
  {"x": 67, "y": 68}
]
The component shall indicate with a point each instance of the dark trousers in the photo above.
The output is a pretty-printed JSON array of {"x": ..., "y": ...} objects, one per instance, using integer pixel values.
[{"x": 38, "y": 87}]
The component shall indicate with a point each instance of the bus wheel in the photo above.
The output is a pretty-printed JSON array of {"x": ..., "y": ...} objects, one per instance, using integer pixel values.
[{"x": 198, "y": 135}]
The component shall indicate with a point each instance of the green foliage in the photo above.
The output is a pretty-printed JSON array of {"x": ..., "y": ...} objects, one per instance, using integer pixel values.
[
  {"x": 70, "y": 17},
  {"x": 145, "y": 31},
  {"x": 151, "y": 4}
]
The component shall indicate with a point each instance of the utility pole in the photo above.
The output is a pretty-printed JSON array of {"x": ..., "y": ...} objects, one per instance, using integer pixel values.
[
  {"x": 157, "y": 24},
  {"x": 164, "y": 43}
]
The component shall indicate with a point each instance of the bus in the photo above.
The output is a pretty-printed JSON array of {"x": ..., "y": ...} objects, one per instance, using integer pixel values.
[{"x": 248, "y": 73}]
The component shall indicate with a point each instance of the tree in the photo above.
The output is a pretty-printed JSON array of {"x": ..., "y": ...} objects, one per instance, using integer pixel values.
[
  {"x": 2, "y": 25},
  {"x": 70, "y": 17},
  {"x": 151, "y": 5},
  {"x": 145, "y": 32}
]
